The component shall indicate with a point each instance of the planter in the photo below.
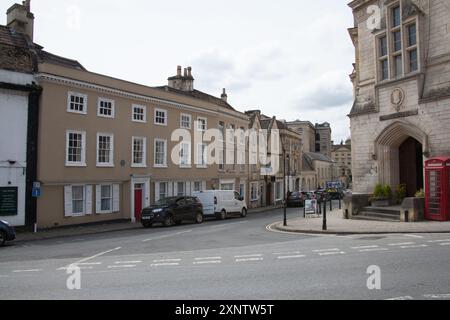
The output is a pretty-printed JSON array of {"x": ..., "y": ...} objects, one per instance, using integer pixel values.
[{"x": 381, "y": 203}]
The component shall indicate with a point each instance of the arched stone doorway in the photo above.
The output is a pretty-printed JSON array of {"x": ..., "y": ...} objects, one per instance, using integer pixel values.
[
  {"x": 399, "y": 151},
  {"x": 297, "y": 184},
  {"x": 304, "y": 185}
]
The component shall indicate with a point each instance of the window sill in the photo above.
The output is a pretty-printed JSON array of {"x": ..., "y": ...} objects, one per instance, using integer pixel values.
[
  {"x": 139, "y": 166},
  {"x": 104, "y": 116},
  {"x": 138, "y": 121},
  {"x": 202, "y": 167},
  {"x": 185, "y": 167},
  {"x": 77, "y": 112},
  {"x": 160, "y": 124},
  {"x": 160, "y": 166},
  {"x": 107, "y": 165},
  {"x": 76, "y": 165}
]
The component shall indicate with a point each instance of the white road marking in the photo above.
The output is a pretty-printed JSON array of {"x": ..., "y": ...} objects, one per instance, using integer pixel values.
[
  {"x": 167, "y": 235},
  {"x": 402, "y": 298},
  {"x": 444, "y": 244},
  {"x": 30, "y": 270},
  {"x": 94, "y": 256},
  {"x": 330, "y": 253},
  {"x": 325, "y": 250},
  {"x": 164, "y": 264},
  {"x": 374, "y": 249},
  {"x": 122, "y": 266},
  {"x": 166, "y": 260},
  {"x": 4, "y": 276},
  {"x": 414, "y": 246},
  {"x": 437, "y": 296},
  {"x": 89, "y": 264},
  {"x": 208, "y": 262},
  {"x": 364, "y": 247},
  {"x": 127, "y": 262},
  {"x": 291, "y": 257},
  {"x": 249, "y": 259},
  {"x": 208, "y": 258},
  {"x": 401, "y": 244},
  {"x": 437, "y": 241},
  {"x": 282, "y": 253},
  {"x": 249, "y": 256},
  {"x": 413, "y": 236}
]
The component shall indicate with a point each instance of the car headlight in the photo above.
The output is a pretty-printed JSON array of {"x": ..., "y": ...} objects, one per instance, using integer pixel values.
[
  {"x": 6, "y": 222},
  {"x": 157, "y": 210}
]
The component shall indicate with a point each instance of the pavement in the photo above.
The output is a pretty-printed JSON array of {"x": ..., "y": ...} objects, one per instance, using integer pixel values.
[
  {"x": 97, "y": 228},
  {"x": 336, "y": 224}
]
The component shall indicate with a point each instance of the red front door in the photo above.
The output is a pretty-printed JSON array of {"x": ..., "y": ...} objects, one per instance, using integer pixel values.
[{"x": 138, "y": 204}]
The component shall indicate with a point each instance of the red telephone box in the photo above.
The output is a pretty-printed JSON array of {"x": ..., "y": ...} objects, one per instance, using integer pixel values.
[{"x": 437, "y": 189}]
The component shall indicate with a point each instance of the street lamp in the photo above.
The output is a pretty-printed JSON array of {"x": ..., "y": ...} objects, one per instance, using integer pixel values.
[{"x": 284, "y": 188}]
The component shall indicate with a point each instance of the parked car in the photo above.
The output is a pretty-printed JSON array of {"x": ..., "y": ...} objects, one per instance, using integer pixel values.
[
  {"x": 296, "y": 199},
  {"x": 173, "y": 210},
  {"x": 222, "y": 203},
  {"x": 7, "y": 232},
  {"x": 322, "y": 195},
  {"x": 335, "y": 193}
]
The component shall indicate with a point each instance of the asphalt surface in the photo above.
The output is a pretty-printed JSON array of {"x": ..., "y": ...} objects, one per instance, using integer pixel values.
[{"x": 234, "y": 259}]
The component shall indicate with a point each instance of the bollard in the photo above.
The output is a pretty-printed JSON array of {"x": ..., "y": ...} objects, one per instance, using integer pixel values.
[
  {"x": 340, "y": 207},
  {"x": 406, "y": 216},
  {"x": 304, "y": 210},
  {"x": 320, "y": 207},
  {"x": 331, "y": 204},
  {"x": 324, "y": 225}
]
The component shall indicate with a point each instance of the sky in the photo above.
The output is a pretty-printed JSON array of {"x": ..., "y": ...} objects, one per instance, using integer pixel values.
[{"x": 288, "y": 58}]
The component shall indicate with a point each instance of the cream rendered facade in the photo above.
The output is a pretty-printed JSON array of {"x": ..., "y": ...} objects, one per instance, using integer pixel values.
[
  {"x": 89, "y": 191},
  {"x": 402, "y": 91}
]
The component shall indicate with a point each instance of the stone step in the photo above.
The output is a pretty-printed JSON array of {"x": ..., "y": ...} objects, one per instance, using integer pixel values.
[
  {"x": 395, "y": 211},
  {"x": 387, "y": 218},
  {"x": 381, "y": 216}
]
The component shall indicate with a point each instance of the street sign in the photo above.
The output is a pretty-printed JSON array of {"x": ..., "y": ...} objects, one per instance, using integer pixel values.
[
  {"x": 36, "y": 192},
  {"x": 311, "y": 206}
]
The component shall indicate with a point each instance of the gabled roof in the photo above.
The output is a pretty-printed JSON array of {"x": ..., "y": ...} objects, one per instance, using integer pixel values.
[
  {"x": 313, "y": 156},
  {"x": 198, "y": 95},
  {"x": 48, "y": 57},
  {"x": 339, "y": 146},
  {"x": 18, "y": 53},
  {"x": 306, "y": 164}
]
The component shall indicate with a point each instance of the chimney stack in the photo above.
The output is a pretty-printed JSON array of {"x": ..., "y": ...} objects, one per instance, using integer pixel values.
[
  {"x": 224, "y": 95},
  {"x": 183, "y": 82},
  {"x": 20, "y": 18}
]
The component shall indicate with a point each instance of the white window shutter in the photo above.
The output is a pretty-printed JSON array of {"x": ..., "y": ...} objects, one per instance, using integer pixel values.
[
  {"x": 98, "y": 198},
  {"x": 116, "y": 198},
  {"x": 203, "y": 185},
  {"x": 156, "y": 191},
  {"x": 170, "y": 191},
  {"x": 88, "y": 199},
  {"x": 189, "y": 188},
  {"x": 175, "y": 188},
  {"x": 68, "y": 201}
]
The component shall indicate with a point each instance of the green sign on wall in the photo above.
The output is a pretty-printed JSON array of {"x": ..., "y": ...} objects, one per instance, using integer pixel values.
[{"x": 8, "y": 201}]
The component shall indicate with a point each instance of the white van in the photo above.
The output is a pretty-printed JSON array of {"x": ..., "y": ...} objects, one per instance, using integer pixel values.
[{"x": 221, "y": 203}]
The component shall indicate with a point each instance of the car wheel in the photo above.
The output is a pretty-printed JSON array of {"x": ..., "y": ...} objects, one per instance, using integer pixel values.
[
  {"x": 199, "y": 218},
  {"x": 222, "y": 215},
  {"x": 147, "y": 225},
  {"x": 244, "y": 213},
  {"x": 2, "y": 238},
  {"x": 168, "y": 221}
]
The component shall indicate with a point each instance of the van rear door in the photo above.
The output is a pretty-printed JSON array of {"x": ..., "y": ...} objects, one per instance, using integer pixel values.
[{"x": 207, "y": 200}]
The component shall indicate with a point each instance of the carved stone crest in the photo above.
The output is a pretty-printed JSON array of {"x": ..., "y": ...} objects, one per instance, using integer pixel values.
[{"x": 397, "y": 98}]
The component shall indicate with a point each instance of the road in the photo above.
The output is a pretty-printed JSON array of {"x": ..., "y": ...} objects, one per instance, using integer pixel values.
[{"x": 233, "y": 259}]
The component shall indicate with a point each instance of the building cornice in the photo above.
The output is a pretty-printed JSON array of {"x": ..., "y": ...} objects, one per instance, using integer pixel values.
[{"x": 356, "y": 4}]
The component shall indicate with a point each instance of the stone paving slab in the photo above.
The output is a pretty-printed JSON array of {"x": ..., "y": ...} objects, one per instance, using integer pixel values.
[{"x": 336, "y": 224}]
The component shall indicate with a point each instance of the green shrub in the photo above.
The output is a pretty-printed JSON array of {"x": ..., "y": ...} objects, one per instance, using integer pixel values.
[
  {"x": 400, "y": 193},
  {"x": 420, "y": 194},
  {"x": 387, "y": 191},
  {"x": 378, "y": 192}
]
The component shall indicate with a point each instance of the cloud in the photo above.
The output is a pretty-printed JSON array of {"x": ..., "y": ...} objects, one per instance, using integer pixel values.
[{"x": 325, "y": 98}]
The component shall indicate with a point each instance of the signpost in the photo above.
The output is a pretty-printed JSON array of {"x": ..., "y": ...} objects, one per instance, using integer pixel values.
[
  {"x": 310, "y": 206},
  {"x": 8, "y": 201}
]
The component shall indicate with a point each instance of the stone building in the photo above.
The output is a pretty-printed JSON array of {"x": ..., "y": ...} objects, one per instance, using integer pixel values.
[
  {"x": 401, "y": 111},
  {"x": 341, "y": 154},
  {"x": 323, "y": 139}
]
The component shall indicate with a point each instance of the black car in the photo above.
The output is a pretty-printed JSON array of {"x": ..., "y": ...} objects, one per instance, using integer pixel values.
[
  {"x": 7, "y": 232},
  {"x": 296, "y": 199},
  {"x": 173, "y": 210}
]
